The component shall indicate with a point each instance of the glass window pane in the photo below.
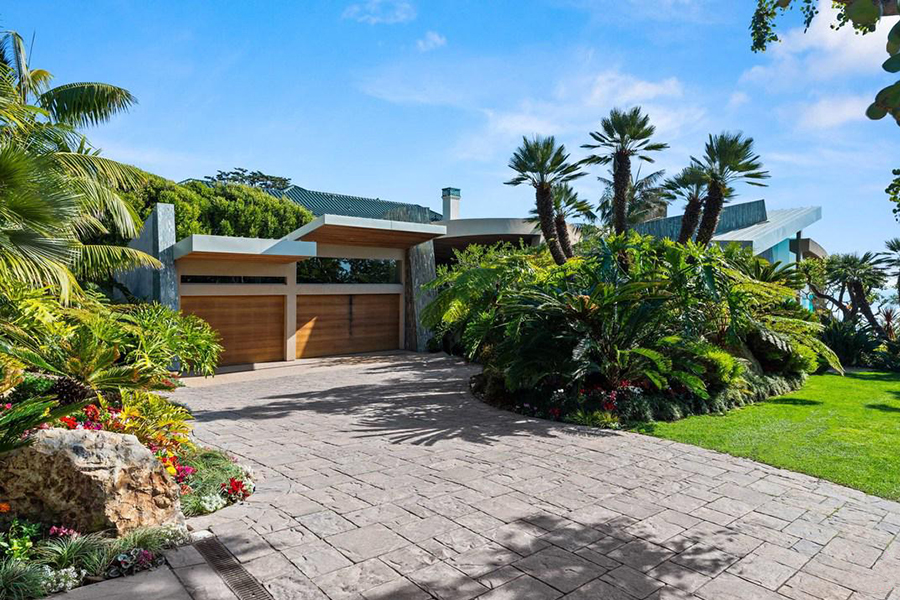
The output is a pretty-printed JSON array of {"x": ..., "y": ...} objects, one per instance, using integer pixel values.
[{"x": 348, "y": 270}]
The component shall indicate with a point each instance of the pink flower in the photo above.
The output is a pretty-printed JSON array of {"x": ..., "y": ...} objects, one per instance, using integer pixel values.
[{"x": 62, "y": 532}]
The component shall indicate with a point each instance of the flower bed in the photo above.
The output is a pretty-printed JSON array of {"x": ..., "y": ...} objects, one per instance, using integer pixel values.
[{"x": 40, "y": 560}]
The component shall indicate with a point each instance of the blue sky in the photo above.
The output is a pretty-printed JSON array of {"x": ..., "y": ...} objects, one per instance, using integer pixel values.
[{"x": 399, "y": 98}]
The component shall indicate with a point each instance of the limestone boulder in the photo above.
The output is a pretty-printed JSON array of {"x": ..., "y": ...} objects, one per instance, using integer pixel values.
[{"x": 90, "y": 481}]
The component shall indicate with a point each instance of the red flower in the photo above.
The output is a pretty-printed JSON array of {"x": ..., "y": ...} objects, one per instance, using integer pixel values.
[
  {"x": 235, "y": 489},
  {"x": 92, "y": 412},
  {"x": 69, "y": 422}
]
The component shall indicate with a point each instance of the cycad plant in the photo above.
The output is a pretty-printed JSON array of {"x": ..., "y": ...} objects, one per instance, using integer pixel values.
[
  {"x": 56, "y": 192},
  {"x": 623, "y": 135},
  {"x": 729, "y": 158},
  {"x": 689, "y": 186},
  {"x": 543, "y": 164}
]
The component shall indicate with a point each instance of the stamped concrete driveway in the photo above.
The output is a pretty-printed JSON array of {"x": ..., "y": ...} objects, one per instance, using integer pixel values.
[{"x": 382, "y": 478}]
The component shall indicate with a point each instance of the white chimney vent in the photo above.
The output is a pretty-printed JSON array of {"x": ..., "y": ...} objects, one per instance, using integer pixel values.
[{"x": 450, "y": 196}]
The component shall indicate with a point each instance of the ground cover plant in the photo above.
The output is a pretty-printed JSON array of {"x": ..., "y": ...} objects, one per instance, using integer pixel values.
[{"x": 843, "y": 429}]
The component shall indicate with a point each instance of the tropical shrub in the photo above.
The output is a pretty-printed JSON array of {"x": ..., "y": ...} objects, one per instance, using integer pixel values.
[
  {"x": 69, "y": 362},
  {"x": 156, "y": 422},
  {"x": 158, "y": 336},
  {"x": 635, "y": 327}
]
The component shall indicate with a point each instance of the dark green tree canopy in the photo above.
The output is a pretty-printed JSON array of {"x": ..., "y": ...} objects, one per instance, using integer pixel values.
[
  {"x": 251, "y": 178},
  {"x": 230, "y": 209}
]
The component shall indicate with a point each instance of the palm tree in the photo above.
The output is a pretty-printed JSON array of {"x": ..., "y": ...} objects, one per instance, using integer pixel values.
[
  {"x": 625, "y": 134},
  {"x": 729, "y": 158},
  {"x": 689, "y": 186},
  {"x": 893, "y": 258},
  {"x": 56, "y": 192},
  {"x": 543, "y": 164},
  {"x": 645, "y": 199},
  {"x": 566, "y": 205},
  {"x": 75, "y": 104}
]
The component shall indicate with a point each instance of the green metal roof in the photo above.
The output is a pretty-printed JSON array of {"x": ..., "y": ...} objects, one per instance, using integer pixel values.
[
  {"x": 322, "y": 203},
  {"x": 326, "y": 203}
]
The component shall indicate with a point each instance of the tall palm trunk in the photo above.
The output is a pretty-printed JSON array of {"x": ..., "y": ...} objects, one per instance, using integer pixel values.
[
  {"x": 858, "y": 296},
  {"x": 715, "y": 199},
  {"x": 690, "y": 219},
  {"x": 544, "y": 205},
  {"x": 621, "y": 181},
  {"x": 562, "y": 230}
]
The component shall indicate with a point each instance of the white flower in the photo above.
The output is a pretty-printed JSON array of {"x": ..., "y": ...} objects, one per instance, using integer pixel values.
[
  {"x": 62, "y": 580},
  {"x": 212, "y": 502}
]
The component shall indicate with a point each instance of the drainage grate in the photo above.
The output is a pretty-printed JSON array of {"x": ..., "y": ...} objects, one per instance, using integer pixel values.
[{"x": 231, "y": 571}]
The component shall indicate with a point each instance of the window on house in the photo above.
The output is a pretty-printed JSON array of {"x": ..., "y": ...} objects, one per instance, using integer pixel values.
[
  {"x": 348, "y": 270},
  {"x": 253, "y": 279}
]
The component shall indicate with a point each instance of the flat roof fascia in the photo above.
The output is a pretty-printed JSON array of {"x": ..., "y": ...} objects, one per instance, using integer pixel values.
[
  {"x": 490, "y": 226},
  {"x": 364, "y": 223},
  {"x": 241, "y": 246},
  {"x": 768, "y": 233}
]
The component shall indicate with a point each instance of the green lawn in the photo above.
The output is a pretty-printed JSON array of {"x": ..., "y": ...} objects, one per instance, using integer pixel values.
[{"x": 844, "y": 429}]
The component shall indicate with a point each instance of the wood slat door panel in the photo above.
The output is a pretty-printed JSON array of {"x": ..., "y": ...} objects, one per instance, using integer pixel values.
[
  {"x": 251, "y": 327},
  {"x": 347, "y": 324}
]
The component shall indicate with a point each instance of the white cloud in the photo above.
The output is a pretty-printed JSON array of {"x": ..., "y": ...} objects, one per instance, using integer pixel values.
[
  {"x": 432, "y": 41},
  {"x": 622, "y": 89},
  {"x": 821, "y": 53},
  {"x": 832, "y": 112},
  {"x": 738, "y": 99},
  {"x": 576, "y": 108},
  {"x": 375, "y": 12}
]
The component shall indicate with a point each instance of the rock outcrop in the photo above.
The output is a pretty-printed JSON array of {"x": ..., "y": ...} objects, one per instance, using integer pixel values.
[{"x": 89, "y": 481}]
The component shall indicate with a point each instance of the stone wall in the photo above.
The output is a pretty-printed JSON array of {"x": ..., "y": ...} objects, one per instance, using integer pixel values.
[{"x": 420, "y": 269}]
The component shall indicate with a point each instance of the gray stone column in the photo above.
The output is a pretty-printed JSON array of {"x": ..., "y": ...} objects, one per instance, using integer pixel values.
[
  {"x": 157, "y": 239},
  {"x": 420, "y": 269}
]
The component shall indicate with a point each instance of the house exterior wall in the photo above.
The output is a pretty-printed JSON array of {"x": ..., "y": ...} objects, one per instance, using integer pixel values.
[{"x": 779, "y": 252}]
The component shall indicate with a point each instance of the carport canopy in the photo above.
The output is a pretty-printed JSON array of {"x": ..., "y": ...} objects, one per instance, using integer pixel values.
[{"x": 358, "y": 231}]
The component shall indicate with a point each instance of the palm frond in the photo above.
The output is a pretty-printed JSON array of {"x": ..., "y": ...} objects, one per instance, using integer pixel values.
[
  {"x": 97, "y": 261},
  {"x": 109, "y": 172},
  {"x": 100, "y": 201},
  {"x": 85, "y": 104}
]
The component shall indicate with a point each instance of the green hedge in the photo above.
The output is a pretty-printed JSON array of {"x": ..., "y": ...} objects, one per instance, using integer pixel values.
[{"x": 232, "y": 209}]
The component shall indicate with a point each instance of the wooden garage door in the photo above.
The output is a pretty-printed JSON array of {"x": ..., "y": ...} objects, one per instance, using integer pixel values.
[
  {"x": 251, "y": 327},
  {"x": 347, "y": 324}
]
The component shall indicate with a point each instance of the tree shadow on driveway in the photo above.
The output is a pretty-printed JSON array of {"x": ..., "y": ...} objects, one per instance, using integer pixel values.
[{"x": 424, "y": 403}]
